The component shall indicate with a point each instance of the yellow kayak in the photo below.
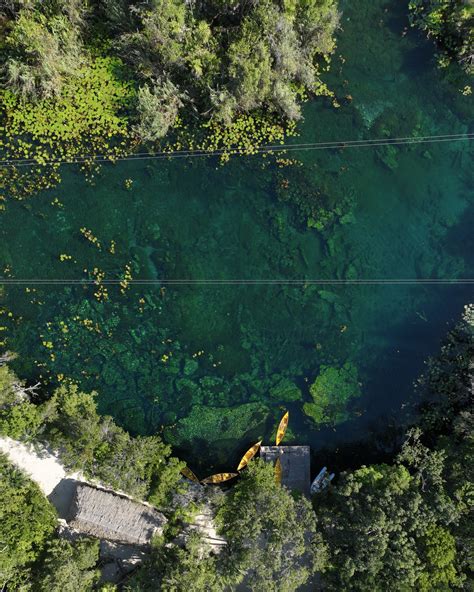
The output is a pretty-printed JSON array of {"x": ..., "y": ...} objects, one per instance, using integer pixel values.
[
  {"x": 278, "y": 471},
  {"x": 189, "y": 474},
  {"x": 247, "y": 457},
  {"x": 219, "y": 478},
  {"x": 282, "y": 428}
]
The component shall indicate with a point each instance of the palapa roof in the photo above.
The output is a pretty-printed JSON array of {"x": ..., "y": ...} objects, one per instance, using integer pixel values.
[
  {"x": 295, "y": 465},
  {"x": 106, "y": 515}
]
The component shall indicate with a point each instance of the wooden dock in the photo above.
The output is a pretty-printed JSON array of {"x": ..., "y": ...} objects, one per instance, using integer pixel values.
[{"x": 295, "y": 465}]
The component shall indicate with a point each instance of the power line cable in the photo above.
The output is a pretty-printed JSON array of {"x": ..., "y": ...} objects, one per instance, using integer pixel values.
[
  {"x": 163, "y": 155},
  {"x": 337, "y": 143},
  {"x": 242, "y": 281}
]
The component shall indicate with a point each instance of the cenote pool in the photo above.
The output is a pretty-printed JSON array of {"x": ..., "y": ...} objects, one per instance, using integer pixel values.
[{"x": 216, "y": 341}]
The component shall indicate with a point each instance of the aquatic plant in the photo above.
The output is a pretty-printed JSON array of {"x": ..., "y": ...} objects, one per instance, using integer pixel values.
[
  {"x": 218, "y": 423},
  {"x": 285, "y": 391},
  {"x": 319, "y": 201},
  {"x": 451, "y": 24},
  {"x": 87, "y": 117},
  {"x": 332, "y": 392}
]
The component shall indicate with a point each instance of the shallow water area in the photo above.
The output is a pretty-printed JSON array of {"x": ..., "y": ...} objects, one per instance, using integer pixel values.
[{"x": 233, "y": 299}]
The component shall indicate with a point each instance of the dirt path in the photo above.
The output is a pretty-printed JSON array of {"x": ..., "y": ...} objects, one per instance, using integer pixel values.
[{"x": 45, "y": 469}]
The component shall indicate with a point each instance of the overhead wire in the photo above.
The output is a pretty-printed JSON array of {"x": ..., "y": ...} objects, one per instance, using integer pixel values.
[
  {"x": 275, "y": 148},
  {"x": 242, "y": 281},
  {"x": 262, "y": 150}
]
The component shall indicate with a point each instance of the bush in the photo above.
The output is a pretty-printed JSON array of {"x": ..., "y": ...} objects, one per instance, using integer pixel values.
[
  {"x": 27, "y": 521},
  {"x": 451, "y": 24}
]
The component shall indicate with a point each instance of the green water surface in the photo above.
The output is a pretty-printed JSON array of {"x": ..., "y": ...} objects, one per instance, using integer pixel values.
[{"x": 212, "y": 366}]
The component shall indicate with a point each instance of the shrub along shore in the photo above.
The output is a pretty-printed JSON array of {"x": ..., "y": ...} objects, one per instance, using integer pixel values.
[
  {"x": 101, "y": 78},
  {"x": 85, "y": 79}
]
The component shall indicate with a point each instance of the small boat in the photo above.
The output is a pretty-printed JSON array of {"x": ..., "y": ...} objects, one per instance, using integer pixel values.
[
  {"x": 282, "y": 428},
  {"x": 186, "y": 471},
  {"x": 247, "y": 457},
  {"x": 219, "y": 478},
  {"x": 322, "y": 481},
  {"x": 278, "y": 471}
]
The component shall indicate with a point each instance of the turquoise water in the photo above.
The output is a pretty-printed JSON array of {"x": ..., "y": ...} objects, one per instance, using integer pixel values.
[{"x": 213, "y": 366}]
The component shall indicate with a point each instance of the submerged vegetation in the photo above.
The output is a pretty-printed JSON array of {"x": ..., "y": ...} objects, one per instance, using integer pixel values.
[
  {"x": 138, "y": 354},
  {"x": 451, "y": 24},
  {"x": 402, "y": 524},
  {"x": 331, "y": 392}
]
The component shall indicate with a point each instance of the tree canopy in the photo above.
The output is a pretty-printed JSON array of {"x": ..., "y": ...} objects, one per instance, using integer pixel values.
[
  {"x": 388, "y": 526},
  {"x": 83, "y": 78},
  {"x": 27, "y": 521},
  {"x": 171, "y": 568},
  {"x": 405, "y": 525},
  {"x": 273, "y": 537},
  {"x": 68, "y": 567},
  {"x": 68, "y": 421}
]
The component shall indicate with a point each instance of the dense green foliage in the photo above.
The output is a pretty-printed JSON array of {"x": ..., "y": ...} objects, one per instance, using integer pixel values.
[
  {"x": 226, "y": 58},
  {"x": 68, "y": 567},
  {"x": 270, "y": 532},
  {"x": 451, "y": 23},
  {"x": 140, "y": 466},
  {"x": 32, "y": 557},
  {"x": 171, "y": 568},
  {"x": 406, "y": 525},
  {"x": 69, "y": 422},
  {"x": 26, "y": 522},
  {"x": 389, "y": 525},
  {"x": 18, "y": 416},
  {"x": 87, "y": 79}
]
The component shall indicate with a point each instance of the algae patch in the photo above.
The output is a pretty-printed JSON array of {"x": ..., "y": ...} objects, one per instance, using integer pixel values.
[
  {"x": 218, "y": 423},
  {"x": 331, "y": 392}
]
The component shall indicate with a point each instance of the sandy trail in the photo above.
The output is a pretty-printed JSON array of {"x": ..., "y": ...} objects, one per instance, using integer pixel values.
[
  {"x": 45, "y": 469},
  {"x": 59, "y": 486}
]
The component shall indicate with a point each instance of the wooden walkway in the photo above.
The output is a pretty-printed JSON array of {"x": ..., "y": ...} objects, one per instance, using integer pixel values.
[{"x": 295, "y": 465}]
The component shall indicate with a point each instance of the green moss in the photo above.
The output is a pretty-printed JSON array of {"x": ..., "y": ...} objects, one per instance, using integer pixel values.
[
  {"x": 219, "y": 423},
  {"x": 285, "y": 391},
  {"x": 331, "y": 392}
]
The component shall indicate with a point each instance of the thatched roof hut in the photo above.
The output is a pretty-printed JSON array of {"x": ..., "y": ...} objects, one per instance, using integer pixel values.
[
  {"x": 105, "y": 515},
  {"x": 295, "y": 465}
]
